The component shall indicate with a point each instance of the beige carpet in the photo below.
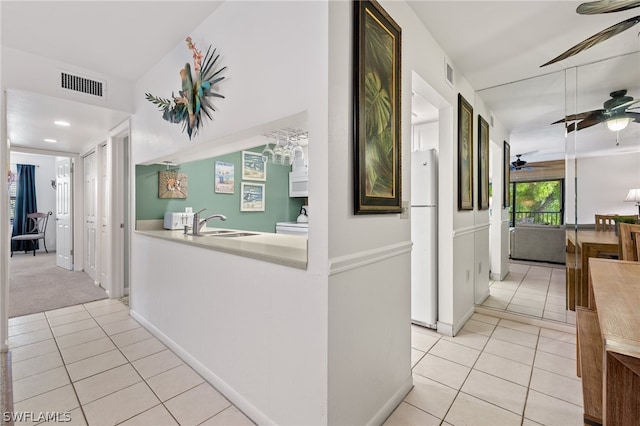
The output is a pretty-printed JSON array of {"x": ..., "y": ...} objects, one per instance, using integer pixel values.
[{"x": 36, "y": 284}]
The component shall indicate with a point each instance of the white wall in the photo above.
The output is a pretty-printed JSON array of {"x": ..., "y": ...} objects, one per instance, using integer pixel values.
[
  {"x": 456, "y": 229},
  {"x": 266, "y": 325},
  {"x": 369, "y": 260},
  {"x": 45, "y": 195},
  {"x": 603, "y": 184},
  {"x": 47, "y": 82}
]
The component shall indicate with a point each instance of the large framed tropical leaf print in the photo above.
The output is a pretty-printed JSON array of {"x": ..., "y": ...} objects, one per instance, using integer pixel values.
[
  {"x": 465, "y": 154},
  {"x": 376, "y": 110},
  {"x": 483, "y": 163}
]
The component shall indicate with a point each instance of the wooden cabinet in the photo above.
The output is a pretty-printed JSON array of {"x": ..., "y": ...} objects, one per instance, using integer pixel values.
[{"x": 608, "y": 337}]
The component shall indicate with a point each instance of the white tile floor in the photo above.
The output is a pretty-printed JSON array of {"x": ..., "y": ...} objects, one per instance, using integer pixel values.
[
  {"x": 97, "y": 363},
  {"x": 494, "y": 372},
  {"x": 536, "y": 290}
]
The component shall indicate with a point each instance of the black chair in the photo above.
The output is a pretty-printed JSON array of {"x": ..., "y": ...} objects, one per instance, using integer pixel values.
[{"x": 38, "y": 228}]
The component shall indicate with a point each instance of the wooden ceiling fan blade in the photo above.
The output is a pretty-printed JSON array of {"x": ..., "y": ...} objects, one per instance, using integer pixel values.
[
  {"x": 576, "y": 117},
  {"x": 571, "y": 127},
  {"x": 595, "y": 39},
  {"x": 606, "y": 6},
  {"x": 592, "y": 120}
]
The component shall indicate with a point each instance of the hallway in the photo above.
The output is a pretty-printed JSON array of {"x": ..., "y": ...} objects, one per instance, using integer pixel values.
[
  {"x": 38, "y": 285},
  {"x": 533, "y": 289},
  {"x": 97, "y": 365},
  {"x": 94, "y": 364}
]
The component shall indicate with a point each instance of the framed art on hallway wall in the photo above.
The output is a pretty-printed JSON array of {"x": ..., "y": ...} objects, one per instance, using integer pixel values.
[
  {"x": 465, "y": 154},
  {"x": 376, "y": 110}
]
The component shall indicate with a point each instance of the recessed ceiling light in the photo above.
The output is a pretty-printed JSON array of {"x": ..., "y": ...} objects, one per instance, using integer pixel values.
[
  {"x": 51, "y": 140},
  {"x": 62, "y": 123}
]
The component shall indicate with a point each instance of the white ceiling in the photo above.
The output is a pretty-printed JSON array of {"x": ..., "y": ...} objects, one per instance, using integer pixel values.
[
  {"x": 493, "y": 44},
  {"x": 499, "y": 46},
  {"x": 119, "y": 38}
]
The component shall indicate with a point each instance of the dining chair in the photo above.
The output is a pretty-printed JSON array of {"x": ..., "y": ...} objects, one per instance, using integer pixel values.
[
  {"x": 37, "y": 230},
  {"x": 605, "y": 222},
  {"x": 629, "y": 242}
]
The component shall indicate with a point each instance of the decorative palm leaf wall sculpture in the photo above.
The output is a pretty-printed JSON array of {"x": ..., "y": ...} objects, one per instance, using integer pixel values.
[{"x": 194, "y": 98}]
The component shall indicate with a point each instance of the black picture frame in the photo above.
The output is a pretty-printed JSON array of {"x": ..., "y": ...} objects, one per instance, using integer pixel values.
[
  {"x": 465, "y": 154},
  {"x": 483, "y": 163},
  {"x": 376, "y": 110}
]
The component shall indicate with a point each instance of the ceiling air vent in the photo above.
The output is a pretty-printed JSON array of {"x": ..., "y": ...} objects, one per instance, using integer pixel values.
[
  {"x": 80, "y": 84},
  {"x": 448, "y": 73}
]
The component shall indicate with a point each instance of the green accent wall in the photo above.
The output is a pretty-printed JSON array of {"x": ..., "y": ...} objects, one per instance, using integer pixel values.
[{"x": 279, "y": 207}]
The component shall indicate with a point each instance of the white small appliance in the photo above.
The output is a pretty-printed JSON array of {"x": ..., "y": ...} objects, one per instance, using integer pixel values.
[
  {"x": 177, "y": 220},
  {"x": 299, "y": 227},
  {"x": 424, "y": 234}
]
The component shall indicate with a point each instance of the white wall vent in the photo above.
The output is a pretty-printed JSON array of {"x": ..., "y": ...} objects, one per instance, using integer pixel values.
[
  {"x": 81, "y": 84},
  {"x": 448, "y": 73}
]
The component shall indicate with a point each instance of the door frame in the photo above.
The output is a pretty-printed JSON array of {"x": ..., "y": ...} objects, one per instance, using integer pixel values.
[{"x": 119, "y": 149}]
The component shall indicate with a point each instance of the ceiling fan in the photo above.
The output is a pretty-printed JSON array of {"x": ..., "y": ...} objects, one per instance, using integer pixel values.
[
  {"x": 597, "y": 7},
  {"x": 616, "y": 114},
  {"x": 518, "y": 164}
]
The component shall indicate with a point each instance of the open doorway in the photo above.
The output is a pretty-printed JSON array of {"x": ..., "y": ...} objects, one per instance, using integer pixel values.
[{"x": 45, "y": 280}]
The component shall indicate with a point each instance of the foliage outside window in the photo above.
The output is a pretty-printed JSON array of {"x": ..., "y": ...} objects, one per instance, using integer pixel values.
[{"x": 537, "y": 203}]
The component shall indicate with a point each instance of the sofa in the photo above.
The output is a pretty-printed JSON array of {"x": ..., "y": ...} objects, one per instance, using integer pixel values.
[{"x": 542, "y": 243}]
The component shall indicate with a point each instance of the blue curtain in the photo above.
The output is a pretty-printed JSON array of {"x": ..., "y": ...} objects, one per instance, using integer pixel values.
[{"x": 25, "y": 204}]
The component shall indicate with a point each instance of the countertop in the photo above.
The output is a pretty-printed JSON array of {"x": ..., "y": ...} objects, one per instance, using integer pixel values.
[{"x": 287, "y": 250}]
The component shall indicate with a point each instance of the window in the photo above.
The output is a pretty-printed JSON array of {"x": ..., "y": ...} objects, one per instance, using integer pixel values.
[
  {"x": 13, "y": 185},
  {"x": 540, "y": 202}
]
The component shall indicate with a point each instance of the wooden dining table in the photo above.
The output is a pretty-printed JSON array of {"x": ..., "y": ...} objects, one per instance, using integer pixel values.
[{"x": 587, "y": 244}]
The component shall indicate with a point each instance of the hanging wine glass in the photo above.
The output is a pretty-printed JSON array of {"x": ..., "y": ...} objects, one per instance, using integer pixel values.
[
  {"x": 267, "y": 152},
  {"x": 277, "y": 150}
]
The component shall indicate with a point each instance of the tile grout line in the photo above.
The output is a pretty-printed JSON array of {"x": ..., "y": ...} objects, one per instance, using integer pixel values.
[
  {"x": 142, "y": 379},
  {"x": 145, "y": 380},
  {"x": 64, "y": 364},
  {"x": 533, "y": 362},
  {"x": 470, "y": 370}
]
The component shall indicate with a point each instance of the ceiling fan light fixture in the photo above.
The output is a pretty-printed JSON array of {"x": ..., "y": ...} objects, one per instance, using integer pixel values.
[{"x": 616, "y": 124}]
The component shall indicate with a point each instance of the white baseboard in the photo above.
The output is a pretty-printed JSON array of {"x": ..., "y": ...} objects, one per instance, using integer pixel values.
[
  {"x": 483, "y": 297},
  {"x": 445, "y": 329},
  {"x": 393, "y": 403},
  {"x": 464, "y": 320},
  {"x": 224, "y": 388}
]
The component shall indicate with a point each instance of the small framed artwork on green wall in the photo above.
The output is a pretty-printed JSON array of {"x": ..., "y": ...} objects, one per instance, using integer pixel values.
[
  {"x": 172, "y": 184},
  {"x": 224, "y": 177},
  {"x": 253, "y": 166},
  {"x": 252, "y": 197}
]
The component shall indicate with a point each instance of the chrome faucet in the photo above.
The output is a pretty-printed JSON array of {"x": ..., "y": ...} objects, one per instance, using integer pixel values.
[{"x": 198, "y": 224}]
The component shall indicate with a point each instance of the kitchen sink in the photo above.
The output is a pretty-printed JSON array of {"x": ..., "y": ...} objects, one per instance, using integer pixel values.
[
  {"x": 216, "y": 232},
  {"x": 236, "y": 234}
]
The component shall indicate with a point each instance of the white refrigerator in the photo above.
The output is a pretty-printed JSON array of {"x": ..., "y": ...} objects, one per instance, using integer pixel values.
[{"x": 424, "y": 234}]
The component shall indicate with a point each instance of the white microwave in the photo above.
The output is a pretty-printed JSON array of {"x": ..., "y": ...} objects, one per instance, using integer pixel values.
[{"x": 298, "y": 185}]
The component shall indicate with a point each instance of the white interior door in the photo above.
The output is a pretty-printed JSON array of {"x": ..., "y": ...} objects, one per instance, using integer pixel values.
[
  {"x": 90, "y": 214},
  {"x": 64, "y": 212},
  {"x": 105, "y": 223}
]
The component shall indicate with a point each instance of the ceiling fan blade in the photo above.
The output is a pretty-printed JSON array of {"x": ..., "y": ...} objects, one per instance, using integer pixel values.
[
  {"x": 595, "y": 39},
  {"x": 606, "y": 6},
  {"x": 634, "y": 115},
  {"x": 580, "y": 116},
  {"x": 592, "y": 120},
  {"x": 571, "y": 127}
]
